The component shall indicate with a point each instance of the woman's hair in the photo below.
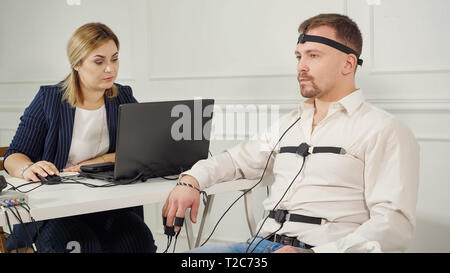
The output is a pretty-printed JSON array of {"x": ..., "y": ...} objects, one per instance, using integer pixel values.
[{"x": 83, "y": 41}]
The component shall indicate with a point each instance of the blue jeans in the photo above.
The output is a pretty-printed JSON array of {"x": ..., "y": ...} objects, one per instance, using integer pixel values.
[{"x": 262, "y": 246}]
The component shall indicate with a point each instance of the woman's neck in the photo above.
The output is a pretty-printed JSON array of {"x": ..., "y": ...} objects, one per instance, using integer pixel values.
[{"x": 91, "y": 99}]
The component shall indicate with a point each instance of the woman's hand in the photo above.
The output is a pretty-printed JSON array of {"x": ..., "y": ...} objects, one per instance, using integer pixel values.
[
  {"x": 100, "y": 159},
  {"x": 74, "y": 169},
  {"x": 43, "y": 168}
]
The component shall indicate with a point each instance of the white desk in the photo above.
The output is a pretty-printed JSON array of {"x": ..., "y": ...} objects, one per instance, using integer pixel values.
[{"x": 55, "y": 201}]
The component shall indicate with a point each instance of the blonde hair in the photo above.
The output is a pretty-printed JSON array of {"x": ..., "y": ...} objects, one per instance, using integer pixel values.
[{"x": 83, "y": 41}]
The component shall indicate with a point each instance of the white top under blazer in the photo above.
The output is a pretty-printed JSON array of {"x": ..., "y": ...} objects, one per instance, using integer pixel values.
[{"x": 90, "y": 137}]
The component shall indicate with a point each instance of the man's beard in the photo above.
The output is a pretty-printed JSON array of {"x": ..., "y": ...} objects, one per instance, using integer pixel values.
[{"x": 310, "y": 91}]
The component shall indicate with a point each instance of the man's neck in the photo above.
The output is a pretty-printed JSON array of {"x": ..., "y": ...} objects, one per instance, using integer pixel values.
[{"x": 322, "y": 103}]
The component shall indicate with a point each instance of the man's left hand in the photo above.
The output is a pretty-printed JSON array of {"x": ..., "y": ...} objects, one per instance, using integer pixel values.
[{"x": 292, "y": 249}]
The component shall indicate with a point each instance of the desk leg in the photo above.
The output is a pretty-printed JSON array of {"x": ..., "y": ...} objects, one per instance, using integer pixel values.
[
  {"x": 188, "y": 227},
  {"x": 249, "y": 213},
  {"x": 206, "y": 212}
]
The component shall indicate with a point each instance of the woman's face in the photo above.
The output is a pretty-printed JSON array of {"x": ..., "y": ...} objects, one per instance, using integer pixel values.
[{"x": 99, "y": 69}]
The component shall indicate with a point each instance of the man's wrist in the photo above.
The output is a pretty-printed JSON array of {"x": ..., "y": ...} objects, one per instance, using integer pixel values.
[{"x": 189, "y": 179}]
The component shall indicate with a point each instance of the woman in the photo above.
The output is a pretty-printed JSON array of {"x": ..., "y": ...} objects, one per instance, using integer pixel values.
[{"x": 69, "y": 125}]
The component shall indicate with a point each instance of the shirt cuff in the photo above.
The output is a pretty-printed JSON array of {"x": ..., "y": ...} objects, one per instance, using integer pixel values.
[{"x": 200, "y": 175}]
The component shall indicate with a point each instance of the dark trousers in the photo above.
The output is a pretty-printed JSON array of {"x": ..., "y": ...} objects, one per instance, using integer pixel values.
[{"x": 116, "y": 231}]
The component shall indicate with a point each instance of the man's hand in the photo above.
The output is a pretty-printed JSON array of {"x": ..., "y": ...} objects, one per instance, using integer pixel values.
[
  {"x": 292, "y": 249},
  {"x": 180, "y": 199}
]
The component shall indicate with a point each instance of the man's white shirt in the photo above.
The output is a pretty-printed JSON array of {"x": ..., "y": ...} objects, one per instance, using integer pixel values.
[{"x": 367, "y": 196}]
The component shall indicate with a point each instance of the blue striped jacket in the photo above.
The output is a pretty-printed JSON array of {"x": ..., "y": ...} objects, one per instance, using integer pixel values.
[
  {"x": 45, "y": 129},
  {"x": 45, "y": 133}
]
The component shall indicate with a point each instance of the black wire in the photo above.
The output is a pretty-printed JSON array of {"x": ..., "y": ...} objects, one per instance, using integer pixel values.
[
  {"x": 279, "y": 201},
  {"x": 169, "y": 242},
  {"x": 19, "y": 218},
  {"x": 11, "y": 230},
  {"x": 27, "y": 208},
  {"x": 262, "y": 239},
  {"x": 262, "y": 176},
  {"x": 176, "y": 239},
  {"x": 14, "y": 188}
]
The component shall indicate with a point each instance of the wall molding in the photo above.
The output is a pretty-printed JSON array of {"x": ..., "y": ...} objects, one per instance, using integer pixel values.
[
  {"x": 219, "y": 76},
  {"x": 382, "y": 70},
  {"x": 54, "y": 81}
]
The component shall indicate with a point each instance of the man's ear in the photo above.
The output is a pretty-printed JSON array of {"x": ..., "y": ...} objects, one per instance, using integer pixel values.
[{"x": 350, "y": 64}]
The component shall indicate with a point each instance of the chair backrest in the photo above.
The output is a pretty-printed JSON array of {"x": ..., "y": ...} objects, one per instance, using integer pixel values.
[{"x": 2, "y": 153}]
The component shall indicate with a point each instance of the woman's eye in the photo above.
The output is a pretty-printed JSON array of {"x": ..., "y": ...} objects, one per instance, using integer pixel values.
[
  {"x": 99, "y": 62},
  {"x": 115, "y": 60},
  {"x": 298, "y": 57}
]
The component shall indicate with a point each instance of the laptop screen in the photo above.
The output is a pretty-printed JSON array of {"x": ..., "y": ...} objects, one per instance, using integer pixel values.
[{"x": 162, "y": 138}]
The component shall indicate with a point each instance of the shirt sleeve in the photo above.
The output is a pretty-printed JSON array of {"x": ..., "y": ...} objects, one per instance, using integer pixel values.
[
  {"x": 391, "y": 179},
  {"x": 247, "y": 160}
]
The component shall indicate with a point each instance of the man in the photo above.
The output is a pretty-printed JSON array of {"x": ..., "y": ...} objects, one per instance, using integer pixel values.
[{"x": 355, "y": 188}]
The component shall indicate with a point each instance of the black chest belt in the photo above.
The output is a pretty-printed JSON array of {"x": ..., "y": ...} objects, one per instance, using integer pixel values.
[
  {"x": 305, "y": 150},
  {"x": 282, "y": 216}
]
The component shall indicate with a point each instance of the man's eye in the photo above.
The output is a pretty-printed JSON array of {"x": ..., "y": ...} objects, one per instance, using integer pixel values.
[
  {"x": 298, "y": 58},
  {"x": 115, "y": 60},
  {"x": 313, "y": 56}
]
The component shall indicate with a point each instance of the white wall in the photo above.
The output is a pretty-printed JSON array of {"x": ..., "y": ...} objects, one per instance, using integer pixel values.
[{"x": 241, "y": 52}]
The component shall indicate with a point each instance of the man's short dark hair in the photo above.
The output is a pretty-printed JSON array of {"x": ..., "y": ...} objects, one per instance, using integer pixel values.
[{"x": 347, "y": 31}]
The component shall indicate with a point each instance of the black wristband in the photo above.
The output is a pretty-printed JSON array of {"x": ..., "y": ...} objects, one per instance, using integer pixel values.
[{"x": 203, "y": 193}]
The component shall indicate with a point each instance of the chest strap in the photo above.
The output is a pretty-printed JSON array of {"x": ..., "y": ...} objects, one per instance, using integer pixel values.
[
  {"x": 305, "y": 150},
  {"x": 282, "y": 216}
]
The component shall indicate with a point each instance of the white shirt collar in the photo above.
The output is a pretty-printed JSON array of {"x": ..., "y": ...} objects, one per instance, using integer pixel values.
[{"x": 350, "y": 103}]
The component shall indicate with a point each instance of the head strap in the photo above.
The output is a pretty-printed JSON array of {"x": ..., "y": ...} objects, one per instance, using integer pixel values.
[{"x": 319, "y": 39}]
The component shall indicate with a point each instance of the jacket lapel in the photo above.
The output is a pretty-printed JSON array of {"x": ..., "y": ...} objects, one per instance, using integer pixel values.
[
  {"x": 111, "y": 116},
  {"x": 67, "y": 116}
]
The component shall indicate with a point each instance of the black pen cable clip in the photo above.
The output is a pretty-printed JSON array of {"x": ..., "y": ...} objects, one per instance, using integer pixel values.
[{"x": 170, "y": 231}]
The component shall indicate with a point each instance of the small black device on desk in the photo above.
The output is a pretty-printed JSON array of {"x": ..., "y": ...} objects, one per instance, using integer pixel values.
[
  {"x": 98, "y": 167},
  {"x": 50, "y": 179}
]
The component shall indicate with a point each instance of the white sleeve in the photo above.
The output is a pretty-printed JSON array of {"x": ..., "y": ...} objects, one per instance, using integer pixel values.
[
  {"x": 391, "y": 179},
  {"x": 246, "y": 160}
]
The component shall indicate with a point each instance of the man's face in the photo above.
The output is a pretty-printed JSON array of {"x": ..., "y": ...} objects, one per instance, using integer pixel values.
[{"x": 319, "y": 65}]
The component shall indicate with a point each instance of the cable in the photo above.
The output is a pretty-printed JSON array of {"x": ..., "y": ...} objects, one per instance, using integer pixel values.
[
  {"x": 175, "y": 243},
  {"x": 10, "y": 228},
  {"x": 279, "y": 201},
  {"x": 14, "y": 188},
  {"x": 27, "y": 208},
  {"x": 262, "y": 176},
  {"x": 19, "y": 218}
]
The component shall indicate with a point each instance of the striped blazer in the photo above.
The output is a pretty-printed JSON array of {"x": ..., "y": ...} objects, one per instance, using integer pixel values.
[{"x": 45, "y": 129}]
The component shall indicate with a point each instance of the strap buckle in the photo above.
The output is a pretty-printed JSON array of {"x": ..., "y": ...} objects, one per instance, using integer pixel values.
[
  {"x": 280, "y": 216},
  {"x": 303, "y": 149}
]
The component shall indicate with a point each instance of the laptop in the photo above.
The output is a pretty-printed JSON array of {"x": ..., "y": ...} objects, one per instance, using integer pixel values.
[{"x": 158, "y": 139}]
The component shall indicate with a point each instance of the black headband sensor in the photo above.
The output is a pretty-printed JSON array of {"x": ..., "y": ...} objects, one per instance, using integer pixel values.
[{"x": 319, "y": 39}]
